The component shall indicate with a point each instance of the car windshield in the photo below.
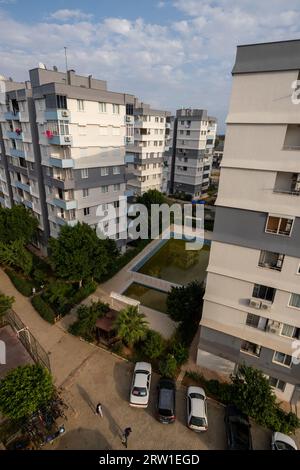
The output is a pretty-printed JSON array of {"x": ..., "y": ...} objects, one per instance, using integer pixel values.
[
  {"x": 197, "y": 395},
  {"x": 283, "y": 446},
  {"x": 240, "y": 432},
  {"x": 164, "y": 412},
  {"x": 139, "y": 391},
  {"x": 200, "y": 422}
]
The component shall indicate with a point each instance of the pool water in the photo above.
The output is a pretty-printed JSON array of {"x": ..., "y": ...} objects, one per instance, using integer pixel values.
[
  {"x": 152, "y": 298},
  {"x": 173, "y": 263}
]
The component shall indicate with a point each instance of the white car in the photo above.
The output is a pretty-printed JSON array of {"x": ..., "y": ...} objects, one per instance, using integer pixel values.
[
  {"x": 197, "y": 409},
  {"x": 140, "y": 387},
  {"x": 282, "y": 442}
]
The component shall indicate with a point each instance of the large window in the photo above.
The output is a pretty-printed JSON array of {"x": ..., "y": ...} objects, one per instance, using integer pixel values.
[
  {"x": 294, "y": 301},
  {"x": 251, "y": 348},
  {"x": 104, "y": 171},
  {"x": 116, "y": 108},
  {"x": 289, "y": 331},
  {"x": 252, "y": 320},
  {"x": 102, "y": 107},
  {"x": 279, "y": 225},
  {"x": 84, "y": 173},
  {"x": 263, "y": 292},
  {"x": 61, "y": 102},
  {"x": 282, "y": 359},
  {"x": 276, "y": 383},
  {"x": 80, "y": 105},
  {"x": 271, "y": 260}
]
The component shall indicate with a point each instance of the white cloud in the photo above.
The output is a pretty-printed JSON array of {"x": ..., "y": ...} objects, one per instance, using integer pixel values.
[{"x": 65, "y": 15}]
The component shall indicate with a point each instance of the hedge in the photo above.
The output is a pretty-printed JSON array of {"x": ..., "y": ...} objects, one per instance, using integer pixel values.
[
  {"x": 43, "y": 309},
  {"x": 23, "y": 285}
]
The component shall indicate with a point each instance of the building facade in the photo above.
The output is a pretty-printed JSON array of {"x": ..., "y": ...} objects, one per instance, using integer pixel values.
[
  {"x": 252, "y": 301},
  {"x": 189, "y": 160},
  {"x": 147, "y": 140}
]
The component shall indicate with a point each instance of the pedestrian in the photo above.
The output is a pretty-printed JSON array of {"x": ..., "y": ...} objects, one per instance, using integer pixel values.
[
  {"x": 99, "y": 411},
  {"x": 125, "y": 436}
]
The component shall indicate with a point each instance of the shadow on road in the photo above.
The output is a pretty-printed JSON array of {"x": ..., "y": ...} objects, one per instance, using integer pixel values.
[
  {"x": 113, "y": 425},
  {"x": 81, "y": 439},
  {"x": 85, "y": 396}
]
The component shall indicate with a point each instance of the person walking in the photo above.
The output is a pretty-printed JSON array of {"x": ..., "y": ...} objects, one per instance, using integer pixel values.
[
  {"x": 99, "y": 410},
  {"x": 125, "y": 436}
]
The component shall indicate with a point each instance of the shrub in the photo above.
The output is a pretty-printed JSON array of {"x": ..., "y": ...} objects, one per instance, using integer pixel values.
[
  {"x": 153, "y": 345},
  {"x": 58, "y": 294},
  {"x": 180, "y": 352},
  {"x": 86, "y": 290},
  {"x": 43, "y": 309},
  {"x": 23, "y": 285},
  {"x": 85, "y": 326},
  {"x": 168, "y": 366}
]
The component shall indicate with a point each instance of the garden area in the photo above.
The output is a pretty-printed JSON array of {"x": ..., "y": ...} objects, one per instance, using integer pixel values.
[{"x": 251, "y": 392}]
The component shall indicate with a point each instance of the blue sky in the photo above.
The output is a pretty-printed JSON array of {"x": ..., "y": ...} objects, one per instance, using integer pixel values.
[{"x": 170, "y": 53}]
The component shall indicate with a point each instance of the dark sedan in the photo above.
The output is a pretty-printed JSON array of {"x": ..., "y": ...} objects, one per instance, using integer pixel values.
[
  {"x": 237, "y": 429},
  {"x": 166, "y": 401}
]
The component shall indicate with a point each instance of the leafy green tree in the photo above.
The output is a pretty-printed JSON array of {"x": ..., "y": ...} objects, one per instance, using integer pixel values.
[
  {"x": 78, "y": 254},
  {"x": 85, "y": 326},
  {"x": 17, "y": 223},
  {"x": 58, "y": 294},
  {"x": 180, "y": 352},
  {"x": 168, "y": 366},
  {"x": 14, "y": 254},
  {"x": 152, "y": 196},
  {"x": 131, "y": 325},
  {"x": 184, "y": 302},
  {"x": 24, "y": 390},
  {"x": 154, "y": 344},
  {"x": 5, "y": 303}
]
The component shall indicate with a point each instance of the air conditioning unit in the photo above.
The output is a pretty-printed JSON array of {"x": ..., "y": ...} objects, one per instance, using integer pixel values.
[
  {"x": 265, "y": 306},
  {"x": 65, "y": 113},
  {"x": 254, "y": 303},
  {"x": 67, "y": 139},
  {"x": 274, "y": 326}
]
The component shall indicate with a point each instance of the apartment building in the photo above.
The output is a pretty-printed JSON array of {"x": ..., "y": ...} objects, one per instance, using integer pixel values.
[
  {"x": 252, "y": 301},
  {"x": 64, "y": 147},
  {"x": 189, "y": 160},
  {"x": 147, "y": 140}
]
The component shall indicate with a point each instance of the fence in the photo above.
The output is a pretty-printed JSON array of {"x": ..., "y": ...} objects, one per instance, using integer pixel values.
[{"x": 30, "y": 343}]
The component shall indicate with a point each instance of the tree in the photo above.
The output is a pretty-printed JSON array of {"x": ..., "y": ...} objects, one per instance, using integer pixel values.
[
  {"x": 85, "y": 326},
  {"x": 24, "y": 390},
  {"x": 153, "y": 345},
  {"x": 152, "y": 196},
  {"x": 180, "y": 352},
  {"x": 168, "y": 366},
  {"x": 5, "y": 303},
  {"x": 78, "y": 254},
  {"x": 14, "y": 254},
  {"x": 58, "y": 294},
  {"x": 17, "y": 223},
  {"x": 184, "y": 302},
  {"x": 131, "y": 325}
]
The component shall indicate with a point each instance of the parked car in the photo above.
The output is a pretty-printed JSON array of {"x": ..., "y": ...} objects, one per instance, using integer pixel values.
[
  {"x": 282, "y": 442},
  {"x": 237, "y": 429},
  {"x": 166, "y": 401},
  {"x": 140, "y": 387},
  {"x": 197, "y": 409}
]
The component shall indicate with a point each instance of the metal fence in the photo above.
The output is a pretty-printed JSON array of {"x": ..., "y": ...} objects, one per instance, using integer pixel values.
[{"x": 30, "y": 343}]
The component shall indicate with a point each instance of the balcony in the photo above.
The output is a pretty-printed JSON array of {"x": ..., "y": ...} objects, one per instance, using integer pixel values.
[
  {"x": 61, "y": 162},
  {"x": 23, "y": 186},
  {"x": 14, "y": 135},
  {"x": 287, "y": 183},
  {"x": 129, "y": 158},
  {"x": 65, "y": 220},
  {"x": 17, "y": 153},
  {"x": 64, "y": 204},
  {"x": 12, "y": 115},
  {"x": 57, "y": 114},
  {"x": 60, "y": 140}
]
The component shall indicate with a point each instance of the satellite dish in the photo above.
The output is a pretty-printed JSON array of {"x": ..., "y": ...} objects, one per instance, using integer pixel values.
[{"x": 42, "y": 66}]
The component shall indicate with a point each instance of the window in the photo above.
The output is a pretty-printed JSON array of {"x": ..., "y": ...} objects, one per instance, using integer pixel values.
[
  {"x": 85, "y": 193},
  {"x": 116, "y": 170},
  {"x": 294, "y": 301},
  {"x": 156, "y": 119},
  {"x": 289, "y": 331},
  {"x": 252, "y": 320},
  {"x": 61, "y": 102},
  {"x": 86, "y": 211},
  {"x": 84, "y": 173},
  {"x": 271, "y": 260},
  {"x": 116, "y": 204},
  {"x": 182, "y": 123},
  {"x": 102, "y": 107},
  {"x": 104, "y": 171},
  {"x": 188, "y": 132},
  {"x": 116, "y": 108},
  {"x": 263, "y": 292},
  {"x": 161, "y": 119},
  {"x": 282, "y": 359},
  {"x": 116, "y": 187},
  {"x": 104, "y": 189},
  {"x": 181, "y": 132},
  {"x": 80, "y": 105},
  {"x": 276, "y": 383},
  {"x": 251, "y": 348},
  {"x": 279, "y": 225}
]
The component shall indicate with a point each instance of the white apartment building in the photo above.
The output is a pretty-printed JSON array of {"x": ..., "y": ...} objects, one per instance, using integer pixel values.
[
  {"x": 189, "y": 161},
  {"x": 146, "y": 145},
  {"x": 252, "y": 301}
]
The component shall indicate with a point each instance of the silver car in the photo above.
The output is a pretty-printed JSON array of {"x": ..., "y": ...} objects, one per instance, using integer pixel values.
[
  {"x": 197, "y": 409},
  {"x": 140, "y": 386}
]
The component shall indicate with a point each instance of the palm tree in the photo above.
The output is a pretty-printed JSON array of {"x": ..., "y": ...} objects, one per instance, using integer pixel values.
[{"x": 131, "y": 325}]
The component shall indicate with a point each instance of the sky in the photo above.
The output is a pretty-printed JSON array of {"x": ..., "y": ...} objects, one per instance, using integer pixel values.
[{"x": 169, "y": 53}]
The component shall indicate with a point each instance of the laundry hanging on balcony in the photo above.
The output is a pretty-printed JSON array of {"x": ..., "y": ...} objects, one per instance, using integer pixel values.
[{"x": 48, "y": 134}]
